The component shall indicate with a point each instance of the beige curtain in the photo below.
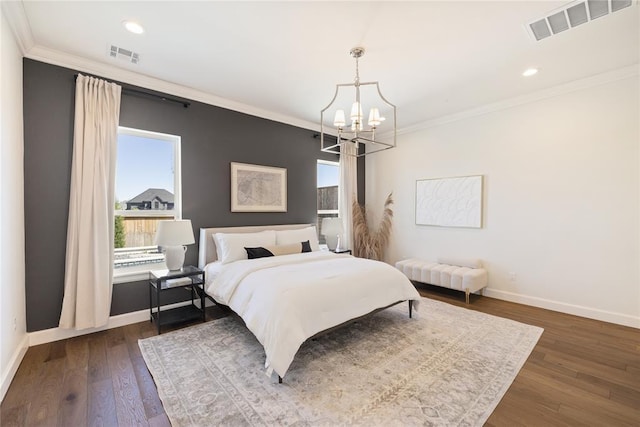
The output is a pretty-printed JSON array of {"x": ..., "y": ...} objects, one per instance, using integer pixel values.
[
  {"x": 89, "y": 258},
  {"x": 348, "y": 191}
]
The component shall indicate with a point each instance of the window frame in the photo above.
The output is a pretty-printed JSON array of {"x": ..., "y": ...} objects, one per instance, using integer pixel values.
[
  {"x": 329, "y": 212},
  {"x": 141, "y": 272},
  {"x": 330, "y": 163},
  {"x": 177, "y": 173}
]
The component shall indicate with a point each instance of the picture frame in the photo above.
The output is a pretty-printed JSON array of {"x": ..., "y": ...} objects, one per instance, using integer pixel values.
[
  {"x": 450, "y": 202},
  {"x": 256, "y": 188}
]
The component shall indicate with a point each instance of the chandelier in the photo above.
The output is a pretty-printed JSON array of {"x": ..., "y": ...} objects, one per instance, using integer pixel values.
[{"x": 357, "y": 131}]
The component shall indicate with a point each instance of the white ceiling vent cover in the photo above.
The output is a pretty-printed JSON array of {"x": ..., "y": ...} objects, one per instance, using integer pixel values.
[
  {"x": 124, "y": 54},
  {"x": 573, "y": 14}
]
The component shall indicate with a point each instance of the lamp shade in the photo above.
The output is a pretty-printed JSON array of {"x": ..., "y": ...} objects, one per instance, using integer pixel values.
[
  {"x": 374, "y": 117},
  {"x": 174, "y": 233},
  {"x": 339, "y": 120},
  {"x": 356, "y": 112},
  {"x": 331, "y": 226}
]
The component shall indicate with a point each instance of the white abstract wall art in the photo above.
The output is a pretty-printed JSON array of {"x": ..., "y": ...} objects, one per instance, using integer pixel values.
[
  {"x": 256, "y": 188},
  {"x": 450, "y": 202}
]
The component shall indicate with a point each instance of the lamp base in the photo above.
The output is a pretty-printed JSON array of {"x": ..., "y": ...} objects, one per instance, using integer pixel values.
[
  {"x": 174, "y": 257},
  {"x": 332, "y": 241}
]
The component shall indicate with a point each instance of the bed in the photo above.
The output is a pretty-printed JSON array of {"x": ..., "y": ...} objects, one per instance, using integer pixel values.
[{"x": 292, "y": 291}]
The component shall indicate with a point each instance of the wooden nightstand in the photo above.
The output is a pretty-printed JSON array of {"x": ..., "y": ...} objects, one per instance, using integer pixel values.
[{"x": 163, "y": 280}]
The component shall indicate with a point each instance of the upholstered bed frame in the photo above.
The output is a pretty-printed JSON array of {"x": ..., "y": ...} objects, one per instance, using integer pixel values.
[
  {"x": 208, "y": 254},
  {"x": 207, "y": 251}
]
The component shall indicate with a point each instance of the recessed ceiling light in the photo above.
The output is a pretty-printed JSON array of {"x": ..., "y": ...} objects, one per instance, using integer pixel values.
[
  {"x": 530, "y": 72},
  {"x": 133, "y": 27}
]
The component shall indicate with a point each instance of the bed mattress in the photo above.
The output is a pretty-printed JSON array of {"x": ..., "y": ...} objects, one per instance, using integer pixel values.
[{"x": 287, "y": 299}]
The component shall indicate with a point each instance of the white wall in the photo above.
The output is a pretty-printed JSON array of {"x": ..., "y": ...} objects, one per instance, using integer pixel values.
[
  {"x": 561, "y": 199},
  {"x": 13, "y": 335}
]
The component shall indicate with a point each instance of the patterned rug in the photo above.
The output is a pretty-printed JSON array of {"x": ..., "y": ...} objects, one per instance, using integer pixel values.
[{"x": 449, "y": 366}]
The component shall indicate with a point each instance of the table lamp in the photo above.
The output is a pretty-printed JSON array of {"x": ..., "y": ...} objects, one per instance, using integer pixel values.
[
  {"x": 332, "y": 229},
  {"x": 172, "y": 236}
]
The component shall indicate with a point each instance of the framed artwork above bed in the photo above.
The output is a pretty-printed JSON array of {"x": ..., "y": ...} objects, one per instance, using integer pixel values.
[{"x": 256, "y": 188}]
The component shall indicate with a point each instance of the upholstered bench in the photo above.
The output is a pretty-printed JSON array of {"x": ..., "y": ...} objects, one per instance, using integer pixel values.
[{"x": 463, "y": 275}]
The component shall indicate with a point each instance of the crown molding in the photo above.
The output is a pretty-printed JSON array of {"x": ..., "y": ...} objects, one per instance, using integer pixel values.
[
  {"x": 81, "y": 64},
  {"x": 19, "y": 24},
  {"x": 588, "y": 82},
  {"x": 108, "y": 71},
  {"x": 17, "y": 19}
]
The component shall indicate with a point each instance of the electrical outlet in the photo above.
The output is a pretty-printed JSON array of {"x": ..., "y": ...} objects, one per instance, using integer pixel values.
[
  {"x": 15, "y": 323},
  {"x": 512, "y": 276}
]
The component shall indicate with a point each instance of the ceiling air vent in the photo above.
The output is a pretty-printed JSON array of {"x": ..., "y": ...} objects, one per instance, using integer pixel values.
[
  {"x": 124, "y": 54},
  {"x": 574, "y": 14}
]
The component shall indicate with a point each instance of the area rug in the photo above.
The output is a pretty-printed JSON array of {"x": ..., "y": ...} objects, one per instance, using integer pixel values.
[{"x": 447, "y": 366}]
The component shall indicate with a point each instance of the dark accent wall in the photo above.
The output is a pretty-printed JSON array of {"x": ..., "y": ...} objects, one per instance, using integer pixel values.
[{"x": 212, "y": 137}]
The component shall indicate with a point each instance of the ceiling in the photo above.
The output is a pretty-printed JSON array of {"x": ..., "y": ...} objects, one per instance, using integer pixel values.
[{"x": 432, "y": 58}]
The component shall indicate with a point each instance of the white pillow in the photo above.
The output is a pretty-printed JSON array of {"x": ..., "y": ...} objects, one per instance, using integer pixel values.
[
  {"x": 230, "y": 246},
  {"x": 286, "y": 237}
]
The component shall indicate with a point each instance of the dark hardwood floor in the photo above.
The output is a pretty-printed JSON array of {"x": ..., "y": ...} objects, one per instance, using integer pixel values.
[{"x": 581, "y": 372}]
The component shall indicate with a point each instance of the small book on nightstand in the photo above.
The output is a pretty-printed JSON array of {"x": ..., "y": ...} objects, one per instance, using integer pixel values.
[{"x": 182, "y": 281}]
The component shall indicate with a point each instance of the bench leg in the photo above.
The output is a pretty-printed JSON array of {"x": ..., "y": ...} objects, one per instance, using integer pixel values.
[
  {"x": 466, "y": 293},
  {"x": 410, "y": 308}
]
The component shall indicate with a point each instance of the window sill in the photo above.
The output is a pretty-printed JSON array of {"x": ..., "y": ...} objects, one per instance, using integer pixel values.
[{"x": 136, "y": 273}]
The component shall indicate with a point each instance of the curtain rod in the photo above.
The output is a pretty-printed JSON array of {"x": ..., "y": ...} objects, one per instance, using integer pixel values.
[{"x": 142, "y": 93}]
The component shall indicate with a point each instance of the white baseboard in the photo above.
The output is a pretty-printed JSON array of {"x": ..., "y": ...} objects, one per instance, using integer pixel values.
[
  {"x": 577, "y": 310},
  {"x": 12, "y": 367},
  {"x": 56, "y": 334}
]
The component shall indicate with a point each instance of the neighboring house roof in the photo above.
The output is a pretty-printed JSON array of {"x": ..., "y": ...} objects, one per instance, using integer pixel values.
[{"x": 151, "y": 194}]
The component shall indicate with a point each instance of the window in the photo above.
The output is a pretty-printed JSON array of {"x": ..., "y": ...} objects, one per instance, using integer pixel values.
[
  {"x": 147, "y": 190},
  {"x": 328, "y": 178}
]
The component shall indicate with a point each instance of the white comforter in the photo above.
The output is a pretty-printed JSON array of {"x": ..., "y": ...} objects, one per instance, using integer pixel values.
[{"x": 286, "y": 299}]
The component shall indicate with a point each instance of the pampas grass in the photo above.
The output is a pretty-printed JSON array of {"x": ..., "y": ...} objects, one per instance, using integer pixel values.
[{"x": 367, "y": 243}]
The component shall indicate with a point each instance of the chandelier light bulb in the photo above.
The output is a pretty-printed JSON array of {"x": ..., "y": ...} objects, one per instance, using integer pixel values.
[{"x": 339, "y": 120}]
